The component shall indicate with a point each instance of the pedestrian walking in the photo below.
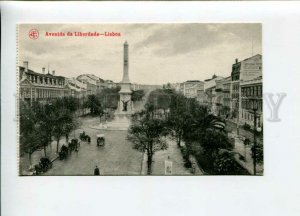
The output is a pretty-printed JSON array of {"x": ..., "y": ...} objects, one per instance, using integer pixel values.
[{"x": 96, "y": 171}]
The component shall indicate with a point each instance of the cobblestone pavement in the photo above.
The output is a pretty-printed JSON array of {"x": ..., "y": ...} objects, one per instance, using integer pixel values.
[
  {"x": 116, "y": 158},
  {"x": 158, "y": 166}
]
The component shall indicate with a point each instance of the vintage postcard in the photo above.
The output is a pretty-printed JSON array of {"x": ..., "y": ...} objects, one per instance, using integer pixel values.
[{"x": 140, "y": 99}]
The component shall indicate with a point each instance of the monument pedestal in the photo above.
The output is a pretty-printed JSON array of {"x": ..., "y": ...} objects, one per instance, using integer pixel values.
[{"x": 120, "y": 122}]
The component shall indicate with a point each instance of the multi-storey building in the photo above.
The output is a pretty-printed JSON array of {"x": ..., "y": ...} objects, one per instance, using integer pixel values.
[
  {"x": 251, "y": 98},
  {"x": 235, "y": 88},
  {"x": 201, "y": 97},
  {"x": 222, "y": 100},
  {"x": 218, "y": 100},
  {"x": 41, "y": 87},
  {"x": 226, "y": 96},
  {"x": 245, "y": 70},
  {"x": 191, "y": 88},
  {"x": 94, "y": 83},
  {"x": 78, "y": 89},
  {"x": 211, "y": 99}
]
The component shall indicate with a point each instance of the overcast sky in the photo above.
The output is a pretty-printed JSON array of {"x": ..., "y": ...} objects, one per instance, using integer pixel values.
[{"x": 158, "y": 53}]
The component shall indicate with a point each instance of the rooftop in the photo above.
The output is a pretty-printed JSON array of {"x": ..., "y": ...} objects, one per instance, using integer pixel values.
[
  {"x": 193, "y": 81},
  {"x": 22, "y": 69}
]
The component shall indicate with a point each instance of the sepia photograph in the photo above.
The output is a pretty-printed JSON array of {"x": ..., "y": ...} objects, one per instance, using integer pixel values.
[{"x": 140, "y": 99}]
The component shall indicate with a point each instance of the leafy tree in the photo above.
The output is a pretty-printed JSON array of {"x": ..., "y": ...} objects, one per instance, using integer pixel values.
[
  {"x": 214, "y": 140},
  {"x": 29, "y": 142},
  {"x": 178, "y": 118},
  {"x": 70, "y": 125},
  {"x": 109, "y": 97},
  {"x": 137, "y": 95},
  {"x": 146, "y": 135},
  {"x": 225, "y": 163},
  {"x": 44, "y": 135},
  {"x": 93, "y": 103},
  {"x": 70, "y": 103},
  {"x": 160, "y": 98},
  {"x": 61, "y": 120}
]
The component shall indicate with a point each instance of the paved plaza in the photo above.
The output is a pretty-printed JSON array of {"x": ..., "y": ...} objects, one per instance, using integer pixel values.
[{"x": 117, "y": 157}]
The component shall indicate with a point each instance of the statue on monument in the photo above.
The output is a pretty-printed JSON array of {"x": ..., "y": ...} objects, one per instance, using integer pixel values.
[{"x": 125, "y": 104}]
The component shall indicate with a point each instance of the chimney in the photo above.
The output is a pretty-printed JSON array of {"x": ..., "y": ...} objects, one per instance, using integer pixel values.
[
  {"x": 236, "y": 60},
  {"x": 53, "y": 72},
  {"x": 25, "y": 64},
  {"x": 44, "y": 69}
]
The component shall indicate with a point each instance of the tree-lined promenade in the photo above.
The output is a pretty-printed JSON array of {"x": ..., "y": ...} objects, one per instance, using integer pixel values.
[{"x": 197, "y": 133}]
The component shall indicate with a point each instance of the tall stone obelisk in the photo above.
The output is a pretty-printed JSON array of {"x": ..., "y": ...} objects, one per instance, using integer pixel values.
[
  {"x": 125, "y": 108},
  {"x": 125, "y": 103},
  {"x": 125, "y": 64}
]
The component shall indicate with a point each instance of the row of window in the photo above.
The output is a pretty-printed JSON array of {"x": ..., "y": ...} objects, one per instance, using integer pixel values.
[
  {"x": 251, "y": 104},
  {"x": 250, "y": 118},
  {"x": 235, "y": 95},
  {"x": 252, "y": 91},
  {"x": 235, "y": 87},
  {"x": 41, "y": 93},
  {"x": 46, "y": 80}
]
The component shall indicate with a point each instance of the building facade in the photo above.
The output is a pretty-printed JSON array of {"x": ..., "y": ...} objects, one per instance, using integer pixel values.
[
  {"x": 245, "y": 70},
  {"x": 226, "y": 109},
  {"x": 251, "y": 98},
  {"x": 222, "y": 99},
  {"x": 92, "y": 82},
  {"x": 191, "y": 88},
  {"x": 78, "y": 89},
  {"x": 41, "y": 87},
  {"x": 210, "y": 94},
  {"x": 218, "y": 100}
]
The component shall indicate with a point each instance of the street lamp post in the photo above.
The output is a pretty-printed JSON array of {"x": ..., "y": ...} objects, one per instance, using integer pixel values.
[
  {"x": 254, "y": 142},
  {"x": 255, "y": 130}
]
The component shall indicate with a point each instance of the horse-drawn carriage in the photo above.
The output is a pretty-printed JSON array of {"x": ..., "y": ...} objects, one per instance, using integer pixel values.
[
  {"x": 74, "y": 145},
  {"x": 63, "y": 154},
  {"x": 85, "y": 137},
  {"x": 44, "y": 165},
  {"x": 100, "y": 140}
]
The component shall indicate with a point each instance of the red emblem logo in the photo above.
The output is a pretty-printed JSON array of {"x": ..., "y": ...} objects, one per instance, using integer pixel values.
[{"x": 33, "y": 34}]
